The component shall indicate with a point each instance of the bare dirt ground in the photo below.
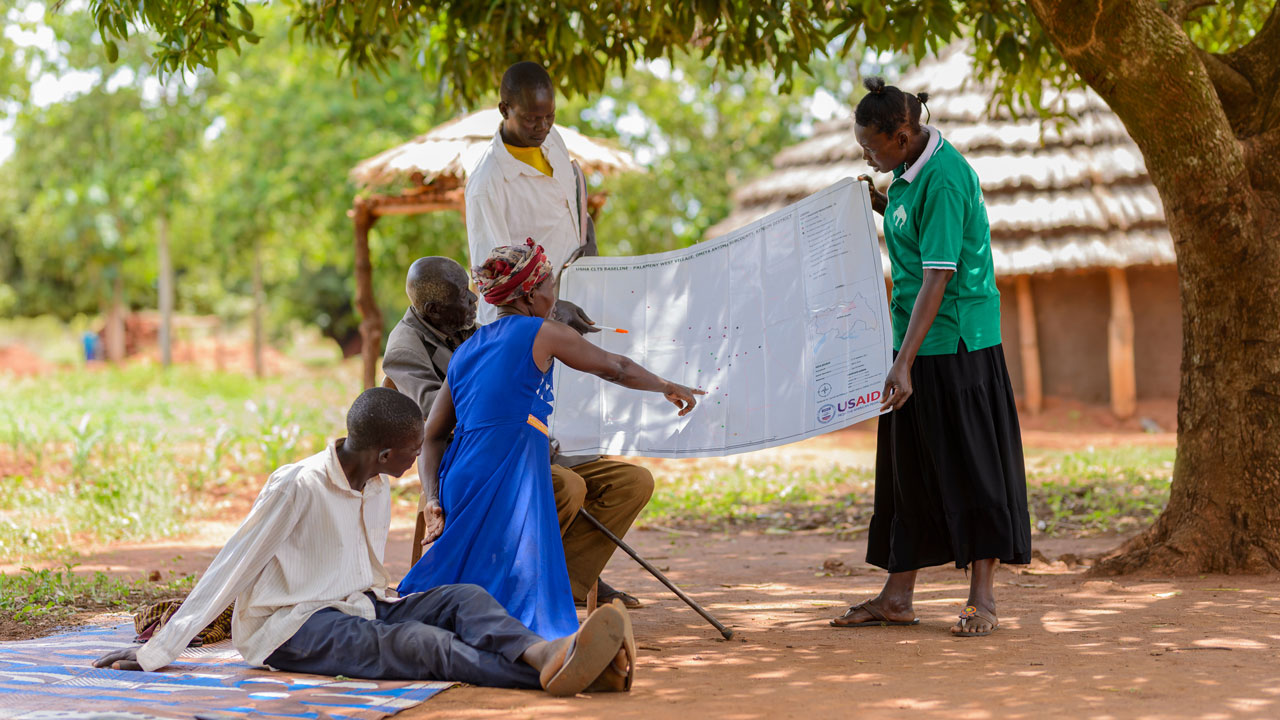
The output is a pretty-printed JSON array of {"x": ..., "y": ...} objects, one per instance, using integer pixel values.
[{"x": 1069, "y": 645}]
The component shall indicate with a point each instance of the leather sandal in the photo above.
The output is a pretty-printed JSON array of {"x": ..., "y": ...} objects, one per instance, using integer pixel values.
[
  {"x": 972, "y": 612},
  {"x": 587, "y": 654},
  {"x": 879, "y": 619},
  {"x": 620, "y": 673}
]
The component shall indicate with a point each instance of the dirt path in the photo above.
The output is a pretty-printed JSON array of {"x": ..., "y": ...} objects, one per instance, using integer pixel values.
[
  {"x": 1206, "y": 648},
  {"x": 1078, "y": 647},
  {"x": 1070, "y": 645}
]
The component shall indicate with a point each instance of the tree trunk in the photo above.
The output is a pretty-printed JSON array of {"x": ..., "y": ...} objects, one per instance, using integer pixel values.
[
  {"x": 259, "y": 300},
  {"x": 1213, "y": 165},
  {"x": 165, "y": 291}
]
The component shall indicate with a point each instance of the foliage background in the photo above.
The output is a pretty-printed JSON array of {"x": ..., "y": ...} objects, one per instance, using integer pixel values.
[{"x": 258, "y": 154}]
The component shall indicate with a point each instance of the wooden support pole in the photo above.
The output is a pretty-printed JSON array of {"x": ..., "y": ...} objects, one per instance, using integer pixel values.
[
  {"x": 1029, "y": 345},
  {"x": 366, "y": 304},
  {"x": 1124, "y": 385},
  {"x": 115, "y": 329},
  {"x": 219, "y": 354},
  {"x": 259, "y": 301},
  {"x": 165, "y": 283}
]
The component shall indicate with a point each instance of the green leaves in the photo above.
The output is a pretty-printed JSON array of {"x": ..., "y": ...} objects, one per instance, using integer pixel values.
[
  {"x": 473, "y": 42},
  {"x": 875, "y": 14},
  {"x": 1009, "y": 54}
]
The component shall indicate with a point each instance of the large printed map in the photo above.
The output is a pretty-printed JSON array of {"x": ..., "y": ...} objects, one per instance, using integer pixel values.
[{"x": 783, "y": 322}]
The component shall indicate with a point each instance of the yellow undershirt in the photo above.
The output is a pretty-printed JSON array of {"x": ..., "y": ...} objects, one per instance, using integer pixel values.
[{"x": 531, "y": 156}]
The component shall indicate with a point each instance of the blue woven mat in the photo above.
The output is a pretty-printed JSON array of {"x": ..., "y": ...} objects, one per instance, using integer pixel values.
[{"x": 52, "y": 678}]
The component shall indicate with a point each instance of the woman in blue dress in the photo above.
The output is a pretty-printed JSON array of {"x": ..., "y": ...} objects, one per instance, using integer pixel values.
[{"x": 499, "y": 527}]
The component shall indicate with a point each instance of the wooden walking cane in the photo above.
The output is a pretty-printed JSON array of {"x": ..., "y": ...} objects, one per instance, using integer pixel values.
[{"x": 726, "y": 632}]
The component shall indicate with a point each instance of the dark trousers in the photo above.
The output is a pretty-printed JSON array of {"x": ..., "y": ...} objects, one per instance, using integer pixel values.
[{"x": 453, "y": 632}]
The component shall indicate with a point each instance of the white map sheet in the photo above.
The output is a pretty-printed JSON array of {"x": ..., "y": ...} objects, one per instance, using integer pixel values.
[{"x": 783, "y": 322}]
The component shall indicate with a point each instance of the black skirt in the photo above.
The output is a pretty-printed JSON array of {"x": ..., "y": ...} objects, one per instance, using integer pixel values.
[{"x": 950, "y": 481}]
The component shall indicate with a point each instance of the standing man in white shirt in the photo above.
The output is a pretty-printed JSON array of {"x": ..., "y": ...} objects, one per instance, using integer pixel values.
[
  {"x": 526, "y": 186},
  {"x": 305, "y": 571}
]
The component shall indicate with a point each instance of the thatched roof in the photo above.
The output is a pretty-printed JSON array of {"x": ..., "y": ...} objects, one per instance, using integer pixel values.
[
  {"x": 454, "y": 148},
  {"x": 1066, "y": 198}
]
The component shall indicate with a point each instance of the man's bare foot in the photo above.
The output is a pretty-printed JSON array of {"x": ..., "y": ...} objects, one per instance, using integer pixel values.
[
  {"x": 540, "y": 653},
  {"x": 976, "y": 621},
  {"x": 878, "y": 611}
]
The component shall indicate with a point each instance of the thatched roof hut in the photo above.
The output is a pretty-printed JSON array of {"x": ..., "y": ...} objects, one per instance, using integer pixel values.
[
  {"x": 1073, "y": 216},
  {"x": 429, "y": 173},
  {"x": 453, "y": 149}
]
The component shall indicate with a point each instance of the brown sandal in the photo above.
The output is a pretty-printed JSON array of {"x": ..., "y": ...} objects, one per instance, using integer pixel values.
[
  {"x": 880, "y": 619},
  {"x": 971, "y": 612},
  {"x": 588, "y": 652},
  {"x": 620, "y": 673}
]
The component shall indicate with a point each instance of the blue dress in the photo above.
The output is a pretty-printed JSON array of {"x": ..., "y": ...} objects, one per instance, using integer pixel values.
[{"x": 500, "y": 530}]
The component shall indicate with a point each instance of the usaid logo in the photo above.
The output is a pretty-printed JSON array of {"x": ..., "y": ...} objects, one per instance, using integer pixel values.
[
  {"x": 900, "y": 216},
  {"x": 855, "y": 403},
  {"x": 829, "y": 412}
]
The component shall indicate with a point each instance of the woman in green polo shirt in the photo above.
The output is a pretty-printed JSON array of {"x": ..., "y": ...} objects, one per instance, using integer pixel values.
[{"x": 950, "y": 484}]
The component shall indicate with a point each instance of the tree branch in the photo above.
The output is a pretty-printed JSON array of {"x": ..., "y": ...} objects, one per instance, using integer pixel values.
[
  {"x": 1259, "y": 59},
  {"x": 1259, "y": 157},
  {"x": 1178, "y": 10},
  {"x": 1235, "y": 92},
  {"x": 1153, "y": 77}
]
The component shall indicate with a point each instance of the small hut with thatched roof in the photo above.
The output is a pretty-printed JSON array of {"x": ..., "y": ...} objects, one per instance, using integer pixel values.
[
  {"x": 1082, "y": 254},
  {"x": 431, "y": 171}
]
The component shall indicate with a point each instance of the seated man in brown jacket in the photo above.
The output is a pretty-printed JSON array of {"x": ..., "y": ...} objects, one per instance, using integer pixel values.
[{"x": 440, "y": 317}]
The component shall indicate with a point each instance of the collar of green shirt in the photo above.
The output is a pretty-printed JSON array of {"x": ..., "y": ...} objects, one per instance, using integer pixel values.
[{"x": 935, "y": 142}]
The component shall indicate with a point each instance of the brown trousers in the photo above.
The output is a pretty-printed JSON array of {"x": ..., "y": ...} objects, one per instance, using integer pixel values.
[{"x": 614, "y": 493}]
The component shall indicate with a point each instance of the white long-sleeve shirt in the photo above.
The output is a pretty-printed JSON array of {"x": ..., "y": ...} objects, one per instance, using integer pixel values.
[
  {"x": 509, "y": 201},
  {"x": 310, "y": 542}
]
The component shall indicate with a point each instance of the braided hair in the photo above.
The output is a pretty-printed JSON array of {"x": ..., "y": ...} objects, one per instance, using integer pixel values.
[{"x": 886, "y": 108}]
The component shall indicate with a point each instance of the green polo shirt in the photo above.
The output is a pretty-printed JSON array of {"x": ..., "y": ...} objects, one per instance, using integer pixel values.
[{"x": 936, "y": 218}]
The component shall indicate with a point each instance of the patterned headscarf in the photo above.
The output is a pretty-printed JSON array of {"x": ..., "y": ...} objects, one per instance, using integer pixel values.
[{"x": 511, "y": 271}]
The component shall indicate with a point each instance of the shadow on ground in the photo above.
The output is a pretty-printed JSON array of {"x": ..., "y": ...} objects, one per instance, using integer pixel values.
[{"x": 1068, "y": 644}]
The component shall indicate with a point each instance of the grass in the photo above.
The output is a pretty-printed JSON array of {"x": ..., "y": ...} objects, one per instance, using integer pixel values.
[
  {"x": 48, "y": 597},
  {"x": 1090, "y": 491},
  {"x": 135, "y": 453},
  {"x": 1084, "y": 492},
  {"x": 771, "y": 497},
  {"x": 138, "y": 453}
]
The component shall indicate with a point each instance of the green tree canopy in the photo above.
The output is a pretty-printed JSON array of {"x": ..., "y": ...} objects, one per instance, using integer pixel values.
[{"x": 472, "y": 43}]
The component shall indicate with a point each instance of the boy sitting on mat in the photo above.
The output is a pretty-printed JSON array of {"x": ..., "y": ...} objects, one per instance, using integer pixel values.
[{"x": 305, "y": 571}]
